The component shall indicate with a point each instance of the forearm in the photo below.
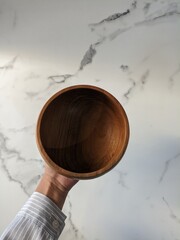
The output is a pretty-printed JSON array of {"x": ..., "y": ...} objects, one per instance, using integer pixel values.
[
  {"x": 49, "y": 187},
  {"x": 41, "y": 217}
]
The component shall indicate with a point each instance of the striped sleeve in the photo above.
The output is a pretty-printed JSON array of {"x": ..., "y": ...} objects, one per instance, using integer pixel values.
[{"x": 39, "y": 219}]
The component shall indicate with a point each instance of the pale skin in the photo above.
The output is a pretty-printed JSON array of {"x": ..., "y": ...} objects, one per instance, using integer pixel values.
[{"x": 55, "y": 186}]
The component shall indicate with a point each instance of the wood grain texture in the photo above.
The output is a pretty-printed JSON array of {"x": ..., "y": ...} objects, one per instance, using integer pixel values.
[{"x": 82, "y": 131}]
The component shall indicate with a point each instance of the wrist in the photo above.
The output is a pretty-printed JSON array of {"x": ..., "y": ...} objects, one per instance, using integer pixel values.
[{"x": 51, "y": 188}]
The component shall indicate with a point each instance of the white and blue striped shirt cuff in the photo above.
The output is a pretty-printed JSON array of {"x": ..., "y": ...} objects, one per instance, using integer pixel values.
[{"x": 42, "y": 214}]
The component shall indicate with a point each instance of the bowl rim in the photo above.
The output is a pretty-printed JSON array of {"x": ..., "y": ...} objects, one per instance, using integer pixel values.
[{"x": 70, "y": 174}]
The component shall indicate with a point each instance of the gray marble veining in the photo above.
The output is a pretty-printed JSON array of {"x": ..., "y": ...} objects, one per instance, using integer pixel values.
[{"x": 129, "y": 48}]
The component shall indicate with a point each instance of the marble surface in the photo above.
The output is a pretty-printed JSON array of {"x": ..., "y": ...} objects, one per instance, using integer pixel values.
[{"x": 132, "y": 50}]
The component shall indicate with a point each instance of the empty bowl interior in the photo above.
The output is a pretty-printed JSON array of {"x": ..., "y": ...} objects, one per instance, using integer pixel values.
[{"x": 83, "y": 130}]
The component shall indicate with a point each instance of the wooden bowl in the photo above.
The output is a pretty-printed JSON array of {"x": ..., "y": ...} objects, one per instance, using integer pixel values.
[{"x": 82, "y": 132}]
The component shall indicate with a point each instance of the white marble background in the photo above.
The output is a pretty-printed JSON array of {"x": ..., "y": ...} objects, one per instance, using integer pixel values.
[{"x": 129, "y": 48}]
